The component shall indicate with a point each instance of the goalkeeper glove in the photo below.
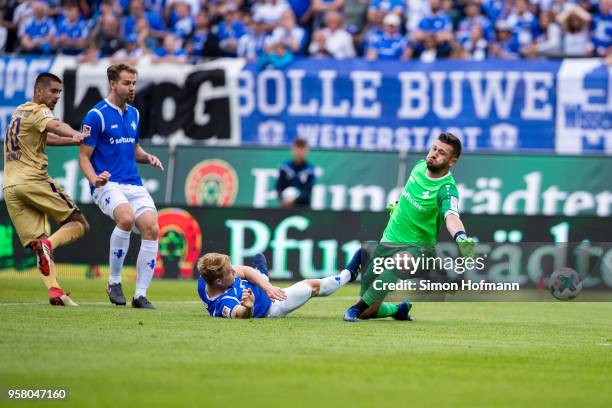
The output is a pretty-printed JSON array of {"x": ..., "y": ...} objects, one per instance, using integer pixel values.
[
  {"x": 391, "y": 207},
  {"x": 466, "y": 245}
]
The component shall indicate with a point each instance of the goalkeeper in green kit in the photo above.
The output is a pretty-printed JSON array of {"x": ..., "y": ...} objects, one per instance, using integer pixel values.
[{"x": 430, "y": 198}]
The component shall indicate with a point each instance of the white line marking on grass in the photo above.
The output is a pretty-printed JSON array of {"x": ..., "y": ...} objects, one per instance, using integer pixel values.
[
  {"x": 162, "y": 302},
  {"x": 336, "y": 298},
  {"x": 606, "y": 344},
  {"x": 23, "y": 303}
]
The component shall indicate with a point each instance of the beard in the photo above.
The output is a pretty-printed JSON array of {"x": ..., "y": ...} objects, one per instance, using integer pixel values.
[{"x": 436, "y": 169}]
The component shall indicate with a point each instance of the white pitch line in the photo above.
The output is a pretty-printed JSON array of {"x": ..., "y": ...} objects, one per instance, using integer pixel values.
[
  {"x": 24, "y": 304},
  {"x": 169, "y": 302},
  {"x": 606, "y": 344},
  {"x": 163, "y": 302}
]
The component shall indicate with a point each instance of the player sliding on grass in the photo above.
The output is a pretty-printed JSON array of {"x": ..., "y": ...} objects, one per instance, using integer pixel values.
[
  {"x": 242, "y": 292},
  {"x": 30, "y": 194},
  {"x": 429, "y": 199}
]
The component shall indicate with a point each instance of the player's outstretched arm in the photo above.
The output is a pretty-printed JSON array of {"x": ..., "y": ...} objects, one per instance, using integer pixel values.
[
  {"x": 256, "y": 278},
  {"x": 55, "y": 140},
  {"x": 62, "y": 130},
  {"x": 146, "y": 158},
  {"x": 96, "y": 180},
  {"x": 245, "y": 309}
]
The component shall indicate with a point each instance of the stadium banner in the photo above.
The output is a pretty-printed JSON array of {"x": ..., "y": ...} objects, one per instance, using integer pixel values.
[
  {"x": 17, "y": 77},
  {"x": 561, "y": 106},
  {"x": 490, "y": 184},
  {"x": 246, "y": 177},
  {"x": 584, "y": 107},
  {"x": 401, "y": 105},
  {"x": 177, "y": 103},
  {"x": 64, "y": 168},
  {"x": 349, "y": 180},
  {"x": 312, "y": 244}
]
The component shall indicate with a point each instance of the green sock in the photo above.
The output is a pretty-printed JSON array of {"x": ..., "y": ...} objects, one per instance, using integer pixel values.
[
  {"x": 378, "y": 290},
  {"x": 386, "y": 310}
]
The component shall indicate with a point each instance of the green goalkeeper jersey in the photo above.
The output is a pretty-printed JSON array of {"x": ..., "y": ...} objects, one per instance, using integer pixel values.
[{"x": 422, "y": 207}]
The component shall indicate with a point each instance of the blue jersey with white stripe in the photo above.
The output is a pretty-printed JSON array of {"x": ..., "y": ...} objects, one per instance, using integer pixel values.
[
  {"x": 222, "y": 305},
  {"x": 113, "y": 134}
]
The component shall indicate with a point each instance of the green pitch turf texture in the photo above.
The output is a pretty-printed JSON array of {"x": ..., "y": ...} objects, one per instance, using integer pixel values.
[{"x": 453, "y": 354}]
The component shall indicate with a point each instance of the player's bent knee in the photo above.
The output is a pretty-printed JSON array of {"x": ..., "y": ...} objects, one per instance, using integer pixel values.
[
  {"x": 126, "y": 224},
  {"x": 125, "y": 219},
  {"x": 150, "y": 232},
  {"x": 85, "y": 224},
  {"x": 80, "y": 218}
]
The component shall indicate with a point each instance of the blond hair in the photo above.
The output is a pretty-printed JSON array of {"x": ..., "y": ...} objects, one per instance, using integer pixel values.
[{"x": 211, "y": 265}]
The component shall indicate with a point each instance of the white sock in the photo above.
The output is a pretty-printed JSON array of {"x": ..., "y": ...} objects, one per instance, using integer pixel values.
[
  {"x": 297, "y": 295},
  {"x": 119, "y": 245},
  {"x": 145, "y": 264},
  {"x": 332, "y": 283}
]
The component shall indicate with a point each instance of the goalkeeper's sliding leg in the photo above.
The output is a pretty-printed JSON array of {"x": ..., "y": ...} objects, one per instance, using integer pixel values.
[{"x": 374, "y": 290}]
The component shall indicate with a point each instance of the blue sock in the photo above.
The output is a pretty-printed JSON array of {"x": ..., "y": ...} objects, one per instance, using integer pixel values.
[
  {"x": 260, "y": 263},
  {"x": 355, "y": 261}
]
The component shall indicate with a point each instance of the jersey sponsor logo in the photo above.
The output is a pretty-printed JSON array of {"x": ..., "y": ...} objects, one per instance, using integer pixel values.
[
  {"x": 226, "y": 312},
  {"x": 121, "y": 140},
  {"x": 412, "y": 201},
  {"x": 180, "y": 243},
  {"x": 212, "y": 182}
]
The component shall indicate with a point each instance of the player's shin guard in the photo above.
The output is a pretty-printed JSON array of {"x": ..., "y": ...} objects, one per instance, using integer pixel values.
[
  {"x": 119, "y": 245},
  {"x": 69, "y": 232},
  {"x": 145, "y": 264},
  {"x": 331, "y": 284}
]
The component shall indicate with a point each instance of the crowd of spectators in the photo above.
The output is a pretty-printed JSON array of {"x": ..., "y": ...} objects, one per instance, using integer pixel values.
[{"x": 275, "y": 32}]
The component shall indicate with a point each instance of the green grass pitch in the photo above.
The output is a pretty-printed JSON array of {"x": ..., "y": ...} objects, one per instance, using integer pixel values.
[{"x": 453, "y": 354}]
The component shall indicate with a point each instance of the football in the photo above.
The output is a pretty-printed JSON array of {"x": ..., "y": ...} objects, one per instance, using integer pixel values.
[{"x": 565, "y": 284}]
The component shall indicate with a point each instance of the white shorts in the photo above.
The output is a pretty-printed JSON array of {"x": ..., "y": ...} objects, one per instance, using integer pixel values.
[
  {"x": 297, "y": 295},
  {"x": 113, "y": 194}
]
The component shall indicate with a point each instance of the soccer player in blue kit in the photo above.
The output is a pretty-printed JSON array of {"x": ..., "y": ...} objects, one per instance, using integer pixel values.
[
  {"x": 108, "y": 160},
  {"x": 244, "y": 292}
]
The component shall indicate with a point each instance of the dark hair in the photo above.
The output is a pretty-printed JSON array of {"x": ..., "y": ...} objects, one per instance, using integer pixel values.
[
  {"x": 300, "y": 143},
  {"x": 451, "y": 140},
  {"x": 114, "y": 71},
  {"x": 45, "y": 79}
]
